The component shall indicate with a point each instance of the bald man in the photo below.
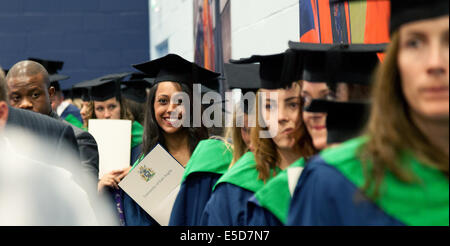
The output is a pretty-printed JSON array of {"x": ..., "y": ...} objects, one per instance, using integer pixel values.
[
  {"x": 60, "y": 135},
  {"x": 29, "y": 88}
]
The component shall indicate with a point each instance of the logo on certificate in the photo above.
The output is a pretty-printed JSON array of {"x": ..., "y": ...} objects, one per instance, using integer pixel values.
[{"x": 146, "y": 173}]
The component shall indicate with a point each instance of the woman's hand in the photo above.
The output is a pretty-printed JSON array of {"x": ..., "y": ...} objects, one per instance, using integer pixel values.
[
  {"x": 125, "y": 172},
  {"x": 112, "y": 179}
]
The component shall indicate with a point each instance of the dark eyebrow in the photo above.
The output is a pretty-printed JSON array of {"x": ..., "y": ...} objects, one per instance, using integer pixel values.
[{"x": 36, "y": 88}]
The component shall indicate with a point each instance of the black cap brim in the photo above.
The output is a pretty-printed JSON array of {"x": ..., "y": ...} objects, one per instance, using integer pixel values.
[
  {"x": 403, "y": 11},
  {"x": 174, "y": 68},
  {"x": 243, "y": 76},
  {"x": 345, "y": 120},
  {"x": 334, "y": 63},
  {"x": 271, "y": 69}
]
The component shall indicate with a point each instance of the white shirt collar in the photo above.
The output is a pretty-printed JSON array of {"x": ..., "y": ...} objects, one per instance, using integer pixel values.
[{"x": 60, "y": 109}]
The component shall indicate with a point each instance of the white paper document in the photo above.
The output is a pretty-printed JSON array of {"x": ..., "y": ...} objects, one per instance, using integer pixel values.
[
  {"x": 154, "y": 184},
  {"x": 113, "y": 139}
]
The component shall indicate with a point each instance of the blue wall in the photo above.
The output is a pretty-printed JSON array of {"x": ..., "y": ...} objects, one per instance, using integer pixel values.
[{"x": 92, "y": 37}]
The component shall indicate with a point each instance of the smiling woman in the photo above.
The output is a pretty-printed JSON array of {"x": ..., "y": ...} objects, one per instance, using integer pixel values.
[
  {"x": 163, "y": 117},
  {"x": 167, "y": 109}
]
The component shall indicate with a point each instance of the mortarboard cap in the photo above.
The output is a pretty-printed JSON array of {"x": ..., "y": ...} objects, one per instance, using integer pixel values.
[
  {"x": 135, "y": 90},
  {"x": 335, "y": 63},
  {"x": 345, "y": 120},
  {"x": 103, "y": 88},
  {"x": 54, "y": 80},
  {"x": 403, "y": 12},
  {"x": 176, "y": 69},
  {"x": 72, "y": 93},
  {"x": 84, "y": 89},
  {"x": 52, "y": 67},
  {"x": 135, "y": 87},
  {"x": 271, "y": 69},
  {"x": 58, "y": 77},
  {"x": 213, "y": 85},
  {"x": 243, "y": 76},
  {"x": 85, "y": 93}
]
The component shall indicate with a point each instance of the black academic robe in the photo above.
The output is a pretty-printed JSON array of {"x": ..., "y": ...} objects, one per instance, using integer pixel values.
[
  {"x": 192, "y": 198},
  {"x": 209, "y": 161},
  {"x": 227, "y": 206}
]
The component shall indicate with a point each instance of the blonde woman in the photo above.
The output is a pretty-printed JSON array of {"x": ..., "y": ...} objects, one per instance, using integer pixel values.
[{"x": 397, "y": 174}]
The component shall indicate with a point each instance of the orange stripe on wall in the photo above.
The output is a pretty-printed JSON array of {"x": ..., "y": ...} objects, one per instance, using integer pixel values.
[
  {"x": 316, "y": 21},
  {"x": 377, "y": 22},
  {"x": 310, "y": 37},
  {"x": 325, "y": 22},
  {"x": 347, "y": 19}
]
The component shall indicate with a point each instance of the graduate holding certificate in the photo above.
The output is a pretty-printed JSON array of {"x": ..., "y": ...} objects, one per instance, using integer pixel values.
[
  {"x": 166, "y": 122},
  {"x": 107, "y": 103}
]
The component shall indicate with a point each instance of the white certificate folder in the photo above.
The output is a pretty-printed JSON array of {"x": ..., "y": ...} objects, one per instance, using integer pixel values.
[
  {"x": 154, "y": 184},
  {"x": 113, "y": 139}
]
